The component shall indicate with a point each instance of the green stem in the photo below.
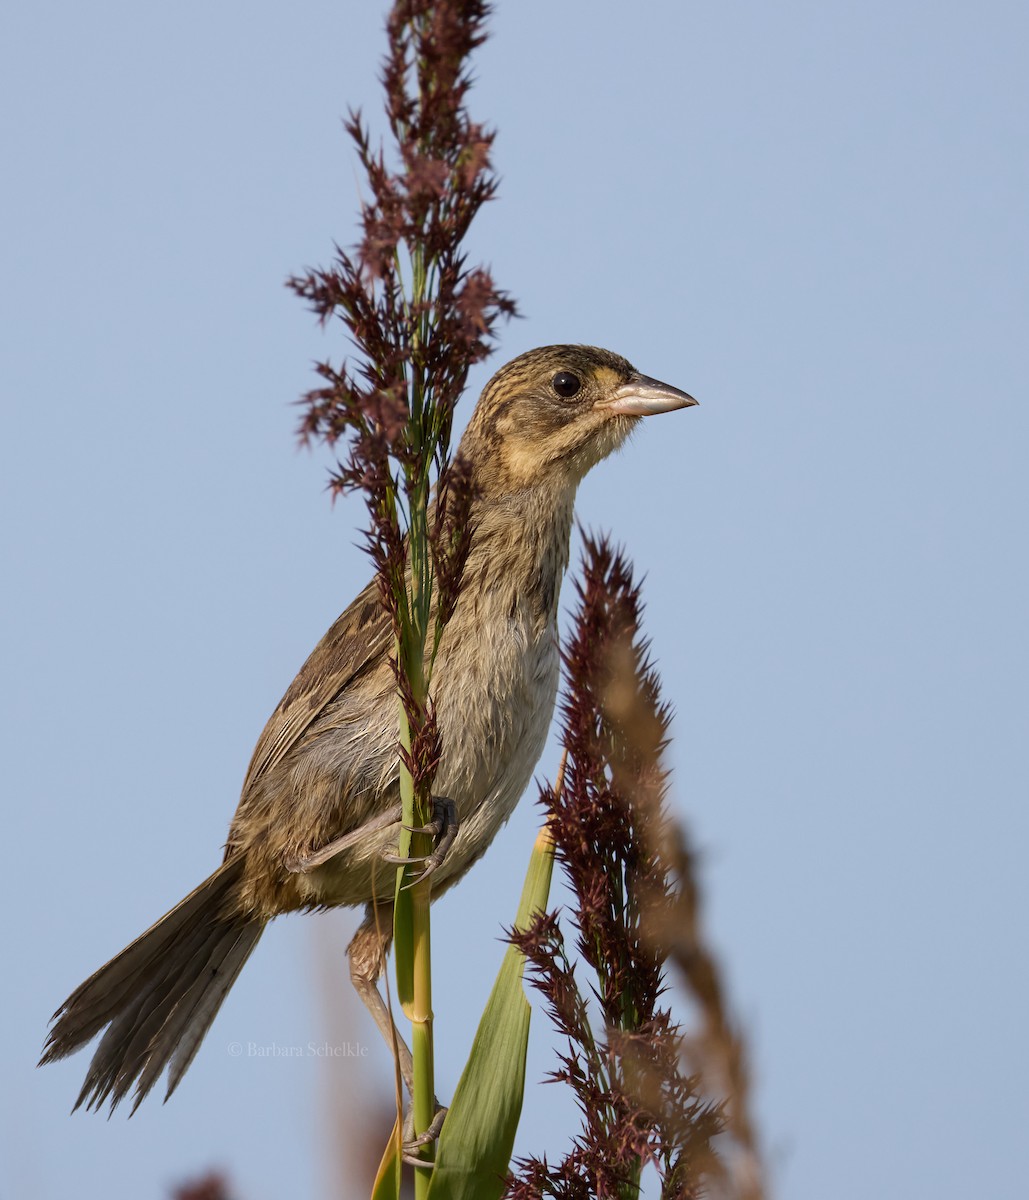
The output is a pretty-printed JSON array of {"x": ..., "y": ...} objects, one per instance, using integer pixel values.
[
  {"x": 413, "y": 904},
  {"x": 411, "y": 910},
  {"x": 414, "y": 975},
  {"x": 424, "y": 1099}
]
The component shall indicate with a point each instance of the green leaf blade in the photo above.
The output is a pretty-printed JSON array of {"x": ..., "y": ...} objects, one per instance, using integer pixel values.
[{"x": 474, "y": 1150}]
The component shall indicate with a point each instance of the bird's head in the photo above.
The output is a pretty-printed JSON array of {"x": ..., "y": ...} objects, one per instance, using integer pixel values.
[{"x": 553, "y": 413}]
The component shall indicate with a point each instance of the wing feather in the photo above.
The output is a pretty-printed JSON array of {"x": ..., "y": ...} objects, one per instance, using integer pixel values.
[{"x": 355, "y": 644}]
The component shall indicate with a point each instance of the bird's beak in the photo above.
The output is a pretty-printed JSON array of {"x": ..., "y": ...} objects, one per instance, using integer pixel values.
[{"x": 642, "y": 396}]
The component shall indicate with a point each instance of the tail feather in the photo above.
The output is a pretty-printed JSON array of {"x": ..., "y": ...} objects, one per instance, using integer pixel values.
[
  {"x": 159, "y": 996},
  {"x": 159, "y": 1037},
  {"x": 188, "y": 1042},
  {"x": 94, "y": 1003},
  {"x": 129, "y": 1046}
]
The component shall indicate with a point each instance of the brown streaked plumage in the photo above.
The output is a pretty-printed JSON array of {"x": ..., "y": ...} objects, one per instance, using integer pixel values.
[{"x": 319, "y": 806}]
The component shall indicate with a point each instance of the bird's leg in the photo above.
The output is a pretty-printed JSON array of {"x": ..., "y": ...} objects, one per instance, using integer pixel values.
[
  {"x": 317, "y": 858},
  {"x": 443, "y": 826},
  {"x": 367, "y": 954}
]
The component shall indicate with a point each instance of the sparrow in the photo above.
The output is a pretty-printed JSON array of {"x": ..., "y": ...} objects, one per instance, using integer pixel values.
[{"x": 319, "y": 816}]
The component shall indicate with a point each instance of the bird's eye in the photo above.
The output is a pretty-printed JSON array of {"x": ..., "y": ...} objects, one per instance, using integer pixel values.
[{"x": 566, "y": 384}]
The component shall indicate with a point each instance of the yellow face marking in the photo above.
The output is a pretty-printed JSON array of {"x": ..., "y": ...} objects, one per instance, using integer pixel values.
[{"x": 607, "y": 378}]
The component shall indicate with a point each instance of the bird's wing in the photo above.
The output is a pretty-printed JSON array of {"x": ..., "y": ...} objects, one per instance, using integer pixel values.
[{"x": 356, "y": 643}]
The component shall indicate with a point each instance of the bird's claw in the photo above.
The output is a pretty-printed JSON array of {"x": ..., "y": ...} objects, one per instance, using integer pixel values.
[
  {"x": 412, "y": 1145},
  {"x": 434, "y": 827},
  {"x": 444, "y": 818},
  {"x": 444, "y": 827}
]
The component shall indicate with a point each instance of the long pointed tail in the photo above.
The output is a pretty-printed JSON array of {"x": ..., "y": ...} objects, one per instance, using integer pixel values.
[{"x": 159, "y": 995}]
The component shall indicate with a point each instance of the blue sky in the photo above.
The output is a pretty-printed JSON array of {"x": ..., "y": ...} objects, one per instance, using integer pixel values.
[{"x": 810, "y": 216}]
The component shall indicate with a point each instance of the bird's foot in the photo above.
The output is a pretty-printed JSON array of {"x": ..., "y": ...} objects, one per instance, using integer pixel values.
[
  {"x": 410, "y": 1151},
  {"x": 443, "y": 827}
]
